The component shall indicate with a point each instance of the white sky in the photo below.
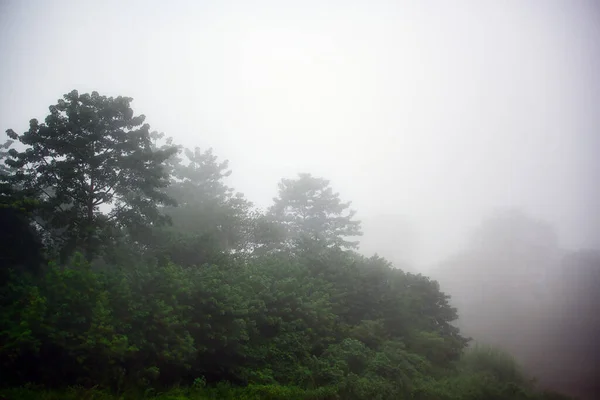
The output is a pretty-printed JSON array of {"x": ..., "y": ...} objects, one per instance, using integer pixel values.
[{"x": 436, "y": 112}]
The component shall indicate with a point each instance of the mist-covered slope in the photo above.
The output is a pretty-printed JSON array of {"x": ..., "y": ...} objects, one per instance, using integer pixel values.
[{"x": 515, "y": 288}]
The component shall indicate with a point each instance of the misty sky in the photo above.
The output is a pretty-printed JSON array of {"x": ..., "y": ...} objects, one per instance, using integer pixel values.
[{"x": 429, "y": 112}]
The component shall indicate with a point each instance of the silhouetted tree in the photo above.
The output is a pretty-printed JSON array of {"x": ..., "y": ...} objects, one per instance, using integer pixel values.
[{"x": 91, "y": 152}]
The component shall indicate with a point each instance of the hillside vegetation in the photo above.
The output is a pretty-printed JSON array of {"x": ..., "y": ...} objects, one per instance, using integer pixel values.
[{"x": 130, "y": 270}]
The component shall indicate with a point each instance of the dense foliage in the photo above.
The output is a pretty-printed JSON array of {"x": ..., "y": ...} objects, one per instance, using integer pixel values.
[{"x": 178, "y": 288}]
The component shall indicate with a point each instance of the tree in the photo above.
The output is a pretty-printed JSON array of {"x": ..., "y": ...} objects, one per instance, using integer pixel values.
[
  {"x": 91, "y": 152},
  {"x": 266, "y": 235},
  {"x": 312, "y": 213},
  {"x": 210, "y": 219}
]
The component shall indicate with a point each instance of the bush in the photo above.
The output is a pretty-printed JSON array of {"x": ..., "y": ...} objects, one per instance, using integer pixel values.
[{"x": 495, "y": 362}]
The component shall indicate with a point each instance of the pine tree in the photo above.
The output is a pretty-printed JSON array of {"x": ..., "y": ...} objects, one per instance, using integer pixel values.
[{"x": 313, "y": 214}]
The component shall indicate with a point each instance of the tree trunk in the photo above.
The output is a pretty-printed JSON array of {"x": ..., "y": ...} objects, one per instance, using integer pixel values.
[{"x": 89, "y": 247}]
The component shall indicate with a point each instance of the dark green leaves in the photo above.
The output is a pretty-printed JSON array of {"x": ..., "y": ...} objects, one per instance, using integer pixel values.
[{"x": 91, "y": 152}]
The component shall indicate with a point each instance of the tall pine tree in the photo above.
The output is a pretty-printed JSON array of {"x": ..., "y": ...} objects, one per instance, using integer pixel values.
[{"x": 312, "y": 213}]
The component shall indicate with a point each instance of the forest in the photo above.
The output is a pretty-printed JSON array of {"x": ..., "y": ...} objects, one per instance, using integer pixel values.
[{"x": 130, "y": 270}]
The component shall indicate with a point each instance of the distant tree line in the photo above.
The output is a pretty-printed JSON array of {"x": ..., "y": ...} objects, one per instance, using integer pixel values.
[{"x": 517, "y": 289}]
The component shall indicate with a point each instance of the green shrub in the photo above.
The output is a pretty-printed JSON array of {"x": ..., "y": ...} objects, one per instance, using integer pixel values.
[{"x": 498, "y": 363}]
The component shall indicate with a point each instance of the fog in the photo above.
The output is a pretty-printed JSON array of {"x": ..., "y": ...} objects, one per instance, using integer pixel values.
[
  {"x": 428, "y": 116},
  {"x": 516, "y": 289},
  {"x": 440, "y": 111}
]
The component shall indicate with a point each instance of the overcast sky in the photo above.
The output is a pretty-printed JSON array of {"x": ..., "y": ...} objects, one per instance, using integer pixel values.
[{"x": 429, "y": 112}]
